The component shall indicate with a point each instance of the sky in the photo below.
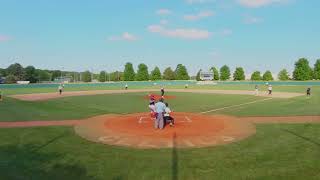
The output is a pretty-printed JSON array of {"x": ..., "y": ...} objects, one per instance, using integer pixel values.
[{"x": 95, "y": 35}]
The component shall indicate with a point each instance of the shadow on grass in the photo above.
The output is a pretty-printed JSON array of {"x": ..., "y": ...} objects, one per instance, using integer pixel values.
[
  {"x": 31, "y": 162},
  {"x": 175, "y": 170},
  {"x": 302, "y": 137}
]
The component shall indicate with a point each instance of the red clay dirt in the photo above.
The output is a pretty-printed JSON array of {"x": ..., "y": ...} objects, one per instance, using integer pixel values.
[
  {"x": 48, "y": 96},
  {"x": 158, "y": 97},
  {"x": 39, "y": 123},
  {"x": 190, "y": 131}
]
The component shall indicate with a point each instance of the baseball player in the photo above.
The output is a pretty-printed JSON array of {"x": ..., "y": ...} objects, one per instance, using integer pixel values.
[
  {"x": 308, "y": 91},
  {"x": 256, "y": 90},
  {"x": 152, "y": 109},
  {"x": 162, "y": 92},
  {"x": 60, "y": 89},
  {"x": 167, "y": 118},
  {"x": 270, "y": 90}
]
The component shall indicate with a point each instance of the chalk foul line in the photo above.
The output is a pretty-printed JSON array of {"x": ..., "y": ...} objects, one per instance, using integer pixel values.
[{"x": 243, "y": 104}]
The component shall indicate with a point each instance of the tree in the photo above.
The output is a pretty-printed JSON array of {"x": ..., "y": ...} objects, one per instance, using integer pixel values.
[
  {"x": 316, "y": 70},
  {"x": 43, "y": 75},
  {"x": 198, "y": 75},
  {"x": 238, "y": 74},
  {"x": 181, "y": 72},
  {"x": 215, "y": 73},
  {"x": 142, "y": 73},
  {"x": 155, "y": 74},
  {"x": 267, "y": 76},
  {"x": 56, "y": 74},
  {"x": 31, "y": 74},
  {"x": 10, "y": 79},
  {"x": 102, "y": 76},
  {"x": 17, "y": 71},
  {"x": 3, "y": 72},
  {"x": 168, "y": 74},
  {"x": 86, "y": 76},
  {"x": 302, "y": 70},
  {"x": 224, "y": 73},
  {"x": 129, "y": 74},
  {"x": 95, "y": 76},
  {"x": 256, "y": 76},
  {"x": 283, "y": 75},
  {"x": 116, "y": 76}
]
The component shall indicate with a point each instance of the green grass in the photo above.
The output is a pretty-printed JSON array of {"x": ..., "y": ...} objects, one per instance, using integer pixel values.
[
  {"x": 277, "y": 88},
  {"x": 275, "y": 152},
  {"x": 87, "y": 106}
]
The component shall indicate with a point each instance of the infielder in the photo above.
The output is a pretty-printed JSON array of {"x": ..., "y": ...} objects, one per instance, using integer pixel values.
[{"x": 60, "y": 89}]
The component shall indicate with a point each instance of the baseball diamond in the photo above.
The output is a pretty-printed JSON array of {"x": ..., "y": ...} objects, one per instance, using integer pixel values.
[{"x": 160, "y": 90}]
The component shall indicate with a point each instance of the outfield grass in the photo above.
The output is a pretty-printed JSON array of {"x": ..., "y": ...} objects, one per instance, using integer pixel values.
[
  {"x": 87, "y": 106},
  {"x": 276, "y": 88},
  {"x": 275, "y": 152}
]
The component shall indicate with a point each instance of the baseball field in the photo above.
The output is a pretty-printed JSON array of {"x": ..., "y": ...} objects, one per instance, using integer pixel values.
[{"x": 104, "y": 132}]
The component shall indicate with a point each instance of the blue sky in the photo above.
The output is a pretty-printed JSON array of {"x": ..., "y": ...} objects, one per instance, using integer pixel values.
[{"x": 104, "y": 35}]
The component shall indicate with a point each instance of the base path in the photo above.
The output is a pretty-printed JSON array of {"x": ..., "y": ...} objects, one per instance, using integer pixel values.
[
  {"x": 289, "y": 119},
  {"x": 47, "y": 96},
  {"x": 39, "y": 123}
]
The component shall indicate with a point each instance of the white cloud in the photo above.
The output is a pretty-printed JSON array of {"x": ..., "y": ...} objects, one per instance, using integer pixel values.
[
  {"x": 124, "y": 37},
  {"x": 200, "y": 15},
  {"x": 164, "y": 22},
  {"x": 199, "y": 1},
  {"x": 163, "y": 12},
  {"x": 259, "y": 3},
  {"x": 183, "y": 33},
  {"x": 252, "y": 20}
]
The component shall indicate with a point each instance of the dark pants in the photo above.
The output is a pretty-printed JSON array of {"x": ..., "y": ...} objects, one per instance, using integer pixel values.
[
  {"x": 168, "y": 119},
  {"x": 60, "y": 91},
  {"x": 162, "y": 92}
]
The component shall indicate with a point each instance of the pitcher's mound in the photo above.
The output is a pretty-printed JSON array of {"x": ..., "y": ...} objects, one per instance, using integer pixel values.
[
  {"x": 190, "y": 131},
  {"x": 158, "y": 97}
]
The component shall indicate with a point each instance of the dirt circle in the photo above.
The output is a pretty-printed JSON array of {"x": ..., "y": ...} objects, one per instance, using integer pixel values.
[
  {"x": 157, "y": 97},
  {"x": 190, "y": 131}
]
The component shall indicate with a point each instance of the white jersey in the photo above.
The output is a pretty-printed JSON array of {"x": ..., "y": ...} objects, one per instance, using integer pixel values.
[
  {"x": 152, "y": 108},
  {"x": 167, "y": 112},
  {"x": 270, "y": 88}
]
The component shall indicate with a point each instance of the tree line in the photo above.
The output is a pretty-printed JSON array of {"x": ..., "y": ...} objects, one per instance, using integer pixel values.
[
  {"x": 15, "y": 72},
  {"x": 302, "y": 72}
]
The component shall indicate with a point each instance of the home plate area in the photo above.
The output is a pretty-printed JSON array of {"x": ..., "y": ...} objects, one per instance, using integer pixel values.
[{"x": 191, "y": 130}]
